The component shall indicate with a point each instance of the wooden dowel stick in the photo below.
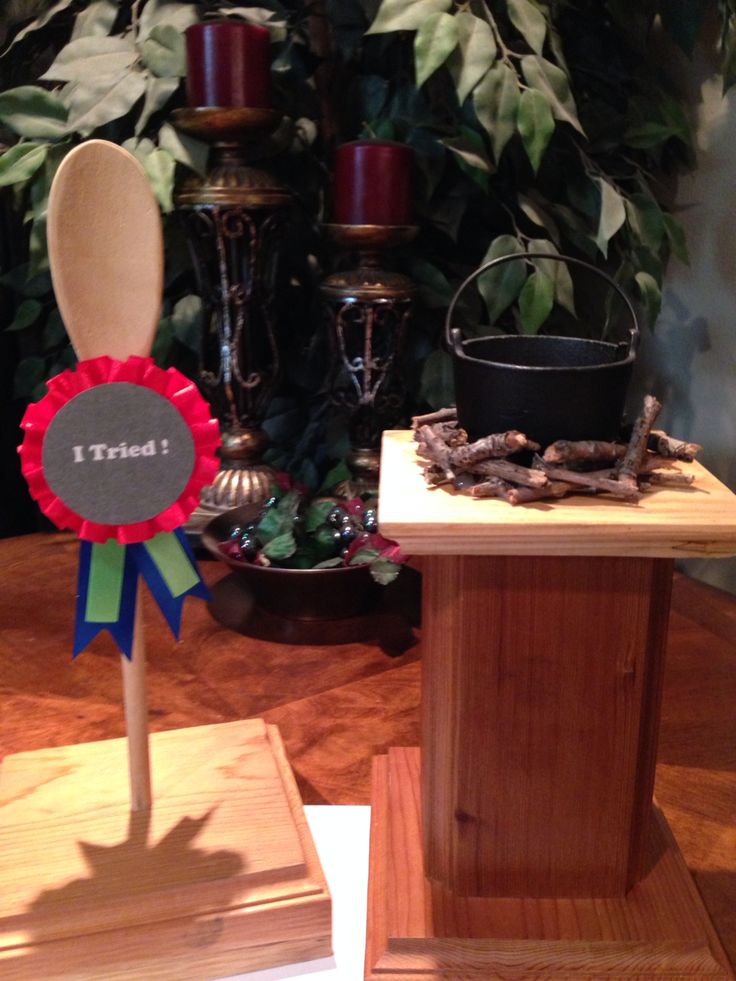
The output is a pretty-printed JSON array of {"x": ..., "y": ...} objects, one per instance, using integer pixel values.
[{"x": 136, "y": 715}]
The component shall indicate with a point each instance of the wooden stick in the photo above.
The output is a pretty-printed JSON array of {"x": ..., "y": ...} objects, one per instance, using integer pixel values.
[
  {"x": 510, "y": 471},
  {"x": 136, "y": 714},
  {"x": 490, "y": 447},
  {"x": 637, "y": 448},
  {"x": 668, "y": 446},
  {"x": 565, "y": 451},
  {"x": 595, "y": 479},
  {"x": 429, "y": 418}
]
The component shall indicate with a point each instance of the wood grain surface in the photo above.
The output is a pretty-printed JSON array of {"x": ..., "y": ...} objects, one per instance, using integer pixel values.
[
  {"x": 342, "y": 692},
  {"x": 667, "y": 522}
]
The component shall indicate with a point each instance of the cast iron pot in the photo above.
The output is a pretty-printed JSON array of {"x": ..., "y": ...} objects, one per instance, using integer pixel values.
[
  {"x": 547, "y": 387},
  {"x": 299, "y": 594}
]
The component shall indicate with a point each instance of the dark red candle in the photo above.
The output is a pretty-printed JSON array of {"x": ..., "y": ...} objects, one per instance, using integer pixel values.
[
  {"x": 373, "y": 183},
  {"x": 228, "y": 64}
]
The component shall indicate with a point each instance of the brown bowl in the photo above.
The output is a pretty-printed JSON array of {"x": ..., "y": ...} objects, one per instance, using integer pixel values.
[{"x": 299, "y": 594}]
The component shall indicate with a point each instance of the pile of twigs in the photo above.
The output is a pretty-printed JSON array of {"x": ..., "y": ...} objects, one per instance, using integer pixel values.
[{"x": 482, "y": 468}]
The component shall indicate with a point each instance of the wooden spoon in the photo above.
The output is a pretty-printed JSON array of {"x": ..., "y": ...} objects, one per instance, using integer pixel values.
[{"x": 106, "y": 254}]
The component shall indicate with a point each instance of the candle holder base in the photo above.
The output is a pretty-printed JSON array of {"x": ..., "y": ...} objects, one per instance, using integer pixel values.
[{"x": 418, "y": 929}]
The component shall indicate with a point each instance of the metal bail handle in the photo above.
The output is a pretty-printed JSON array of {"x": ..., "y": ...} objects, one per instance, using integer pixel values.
[{"x": 454, "y": 335}]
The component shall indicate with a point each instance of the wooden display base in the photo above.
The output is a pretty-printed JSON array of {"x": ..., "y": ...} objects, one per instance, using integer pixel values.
[
  {"x": 419, "y": 931},
  {"x": 219, "y": 877}
]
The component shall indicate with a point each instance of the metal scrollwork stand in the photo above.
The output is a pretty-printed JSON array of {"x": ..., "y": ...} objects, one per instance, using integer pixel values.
[
  {"x": 368, "y": 310},
  {"x": 234, "y": 218}
]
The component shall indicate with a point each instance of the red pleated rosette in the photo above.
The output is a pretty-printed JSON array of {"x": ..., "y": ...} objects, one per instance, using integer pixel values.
[{"x": 171, "y": 385}]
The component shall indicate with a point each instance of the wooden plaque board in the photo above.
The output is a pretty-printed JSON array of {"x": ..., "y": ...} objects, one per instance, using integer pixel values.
[
  {"x": 418, "y": 931},
  {"x": 219, "y": 877}
]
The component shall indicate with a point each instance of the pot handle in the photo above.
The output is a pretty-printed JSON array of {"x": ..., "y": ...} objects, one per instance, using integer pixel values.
[{"x": 454, "y": 335}]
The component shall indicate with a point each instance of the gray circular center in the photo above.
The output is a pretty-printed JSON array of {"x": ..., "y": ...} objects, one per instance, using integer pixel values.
[{"x": 118, "y": 454}]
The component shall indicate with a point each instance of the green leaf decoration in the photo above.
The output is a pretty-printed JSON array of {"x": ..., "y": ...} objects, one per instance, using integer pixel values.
[
  {"x": 26, "y": 315},
  {"x": 21, "y": 162},
  {"x": 612, "y": 214},
  {"x": 364, "y": 556},
  {"x": 272, "y": 524},
  {"x": 501, "y": 285},
  {"x": 435, "y": 39},
  {"x": 156, "y": 13},
  {"x": 159, "y": 167},
  {"x": 92, "y": 104},
  {"x": 329, "y": 563},
  {"x": 280, "y": 547},
  {"x": 32, "y": 112},
  {"x": 496, "y": 102},
  {"x": 471, "y": 154},
  {"x": 535, "y": 302},
  {"x": 383, "y": 571},
  {"x": 651, "y": 295},
  {"x": 535, "y": 125},
  {"x": 405, "y": 15},
  {"x": 39, "y": 22},
  {"x": 316, "y": 515},
  {"x": 437, "y": 384},
  {"x": 336, "y": 475},
  {"x": 186, "y": 319},
  {"x": 90, "y": 58},
  {"x": 645, "y": 220},
  {"x": 676, "y": 237},
  {"x": 557, "y": 272},
  {"x": 158, "y": 93},
  {"x": 184, "y": 149},
  {"x": 164, "y": 52},
  {"x": 554, "y": 85},
  {"x": 29, "y": 374},
  {"x": 475, "y": 53},
  {"x": 529, "y": 21},
  {"x": 96, "y": 20}
]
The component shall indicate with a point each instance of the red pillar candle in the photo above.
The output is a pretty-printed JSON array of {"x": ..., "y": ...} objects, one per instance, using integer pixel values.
[
  {"x": 373, "y": 183},
  {"x": 228, "y": 65}
]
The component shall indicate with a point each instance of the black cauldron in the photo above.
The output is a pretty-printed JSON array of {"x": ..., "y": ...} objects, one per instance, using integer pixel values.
[{"x": 547, "y": 387}]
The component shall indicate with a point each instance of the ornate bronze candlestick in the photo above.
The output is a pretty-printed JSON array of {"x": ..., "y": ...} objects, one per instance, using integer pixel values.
[
  {"x": 368, "y": 309},
  {"x": 234, "y": 217}
]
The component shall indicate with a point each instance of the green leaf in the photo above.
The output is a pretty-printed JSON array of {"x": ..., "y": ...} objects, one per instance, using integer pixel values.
[
  {"x": 405, "y": 15},
  {"x": 29, "y": 374},
  {"x": 317, "y": 515},
  {"x": 557, "y": 272},
  {"x": 535, "y": 125},
  {"x": 538, "y": 216},
  {"x": 676, "y": 237},
  {"x": 186, "y": 318},
  {"x": 645, "y": 219},
  {"x": 471, "y": 154},
  {"x": 433, "y": 42},
  {"x": 383, "y": 571},
  {"x": 158, "y": 93},
  {"x": 280, "y": 547},
  {"x": 26, "y": 315},
  {"x": 651, "y": 295},
  {"x": 329, "y": 563},
  {"x": 336, "y": 475},
  {"x": 500, "y": 286},
  {"x": 496, "y": 102},
  {"x": 612, "y": 214},
  {"x": 33, "y": 112},
  {"x": 364, "y": 556},
  {"x": 437, "y": 384},
  {"x": 90, "y": 58},
  {"x": 272, "y": 524},
  {"x": 164, "y": 53},
  {"x": 554, "y": 85},
  {"x": 159, "y": 167},
  {"x": 159, "y": 12},
  {"x": 92, "y": 104},
  {"x": 21, "y": 162},
  {"x": 475, "y": 53},
  {"x": 39, "y": 22},
  {"x": 529, "y": 21},
  {"x": 95, "y": 20},
  {"x": 54, "y": 331},
  {"x": 535, "y": 302},
  {"x": 184, "y": 149},
  {"x": 434, "y": 288}
]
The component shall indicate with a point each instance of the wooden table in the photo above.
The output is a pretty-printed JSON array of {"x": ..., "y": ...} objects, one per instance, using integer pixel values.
[{"x": 537, "y": 851}]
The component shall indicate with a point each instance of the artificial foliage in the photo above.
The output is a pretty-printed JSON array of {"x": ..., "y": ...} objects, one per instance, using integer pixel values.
[{"x": 537, "y": 126}]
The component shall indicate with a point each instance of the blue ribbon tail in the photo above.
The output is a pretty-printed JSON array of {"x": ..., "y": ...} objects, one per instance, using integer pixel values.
[
  {"x": 121, "y": 627},
  {"x": 170, "y": 601}
]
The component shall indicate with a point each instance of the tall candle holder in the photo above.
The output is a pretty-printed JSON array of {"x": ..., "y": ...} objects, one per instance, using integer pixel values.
[
  {"x": 368, "y": 309},
  {"x": 234, "y": 218}
]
